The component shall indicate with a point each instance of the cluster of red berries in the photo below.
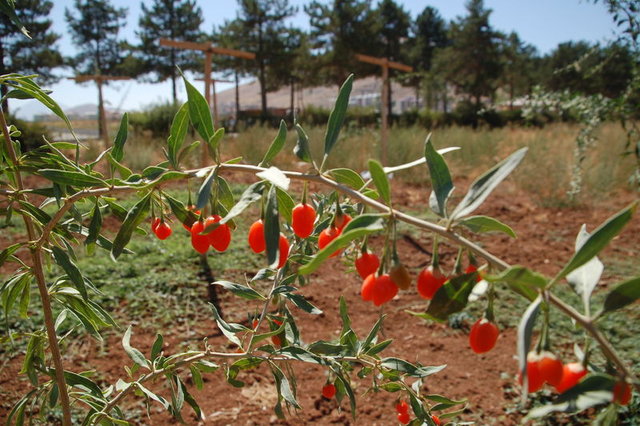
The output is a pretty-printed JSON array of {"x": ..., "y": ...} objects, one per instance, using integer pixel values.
[
  {"x": 545, "y": 367},
  {"x": 402, "y": 408},
  {"x": 219, "y": 238}
]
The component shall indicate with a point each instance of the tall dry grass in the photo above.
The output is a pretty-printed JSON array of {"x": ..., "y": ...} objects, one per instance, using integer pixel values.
[{"x": 545, "y": 173}]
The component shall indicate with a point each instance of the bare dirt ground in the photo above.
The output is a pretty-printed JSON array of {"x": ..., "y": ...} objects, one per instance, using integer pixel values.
[{"x": 545, "y": 241}]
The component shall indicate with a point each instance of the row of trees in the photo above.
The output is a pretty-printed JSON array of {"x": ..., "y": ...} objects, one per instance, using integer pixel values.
[{"x": 467, "y": 54}]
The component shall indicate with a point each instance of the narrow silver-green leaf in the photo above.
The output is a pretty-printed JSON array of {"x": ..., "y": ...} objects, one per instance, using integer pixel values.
[
  {"x": 585, "y": 278},
  {"x": 599, "y": 239},
  {"x": 622, "y": 295},
  {"x": 452, "y": 297},
  {"x": 67, "y": 177},
  {"x": 483, "y": 224},
  {"x": 301, "y": 150},
  {"x": 8, "y": 9},
  {"x": 285, "y": 204},
  {"x": 302, "y": 303},
  {"x": 94, "y": 226},
  {"x": 525, "y": 332},
  {"x": 360, "y": 226},
  {"x": 249, "y": 196},
  {"x": 204, "y": 193},
  {"x": 133, "y": 353},
  {"x": 121, "y": 137},
  {"x": 521, "y": 280},
  {"x": 272, "y": 228},
  {"x": 62, "y": 259},
  {"x": 276, "y": 177},
  {"x": 240, "y": 290},
  {"x": 347, "y": 177},
  {"x": 276, "y": 146},
  {"x": 440, "y": 177},
  {"x": 135, "y": 216},
  {"x": 380, "y": 179},
  {"x": 199, "y": 113},
  {"x": 178, "y": 132},
  {"x": 336, "y": 118},
  {"x": 214, "y": 141},
  {"x": 158, "y": 344},
  {"x": 482, "y": 187}
]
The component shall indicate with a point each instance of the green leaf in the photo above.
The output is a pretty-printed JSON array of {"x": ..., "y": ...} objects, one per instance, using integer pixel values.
[
  {"x": 282, "y": 384},
  {"x": 347, "y": 177},
  {"x": 344, "y": 316},
  {"x": 158, "y": 344},
  {"x": 225, "y": 194},
  {"x": 188, "y": 150},
  {"x": 598, "y": 240},
  {"x": 152, "y": 395},
  {"x": 276, "y": 146},
  {"x": 121, "y": 137},
  {"x": 178, "y": 132},
  {"x": 66, "y": 177},
  {"x": 94, "y": 226},
  {"x": 376, "y": 349},
  {"x": 483, "y": 224},
  {"x": 336, "y": 118},
  {"x": 373, "y": 333},
  {"x": 380, "y": 179},
  {"x": 8, "y": 8},
  {"x": 182, "y": 214},
  {"x": 406, "y": 367},
  {"x": 584, "y": 279},
  {"x": 622, "y": 295},
  {"x": 256, "y": 338},
  {"x": 135, "y": 216},
  {"x": 522, "y": 280},
  {"x": 204, "y": 193},
  {"x": 206, "y": 366},
  {"x": 199, "y": 112},
  {"x": 593, "y": 390},
  {"x": 4, "y": 254},
  {"x": 342, "y": 384},
  {"x": 62, "y": 259},
  {"x": 241, "y": 290},
  {"x": 301, "y": 150},
  {"x": 28, "y": 86},
  {"x": 249, "y": 196},
  {"x": 360, "y": 226},
  {"x": 133, "y": 353},
  {"x": 525, "y": 332},
  {"x": 285, "y": 204},
  {"x": 214, "y": 141},
  {"x": 486, "y": 183},
  {"x": 302, "y": 303},
  {"x": 229, "y": 330},
  {"x": 451, "y": 297},
  {"x": 440, "y": 177},
  {"x": 272, "y": 228}
]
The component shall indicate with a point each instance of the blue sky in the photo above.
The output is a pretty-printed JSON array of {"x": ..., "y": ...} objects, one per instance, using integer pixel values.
[{"x": 542, "y": 23}]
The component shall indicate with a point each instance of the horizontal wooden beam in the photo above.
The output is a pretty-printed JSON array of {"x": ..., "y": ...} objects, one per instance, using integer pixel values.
[
  {"x": 97, "y": 77},
  {"x": 383, "y": 62},
  {"x": 206, "y": 47}
]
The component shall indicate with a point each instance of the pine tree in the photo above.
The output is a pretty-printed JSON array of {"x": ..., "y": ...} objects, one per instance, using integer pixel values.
[
  {"x": 263, "y": 24},
  {"x": 473, "y": 62},
  {"x": 339, "y": 30},
  {"x": 172, "y": 19},
  {"x": 38, "y": 55},
  {"x": 95, "y": 33},
  {"x": 394, "y": 30}
]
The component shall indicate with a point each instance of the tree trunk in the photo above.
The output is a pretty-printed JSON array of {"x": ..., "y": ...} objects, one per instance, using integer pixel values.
[
  {"x": 292, "y": 99},
  {"x": 237, "y": 78},
  {"x": 3, "y": 88},
  {"x": 261, "y": 75},
  {"x": 389, "y": 103},
  {"x": 102, "y": 119}
]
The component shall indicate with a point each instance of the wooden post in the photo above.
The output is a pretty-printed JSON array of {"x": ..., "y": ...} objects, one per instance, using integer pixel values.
[
  {"x": 208, "y": 50},
  {"x": 215, "y": 97},
  {"x": 100, "y": 79},
  {"x": 384, "y": 101}
]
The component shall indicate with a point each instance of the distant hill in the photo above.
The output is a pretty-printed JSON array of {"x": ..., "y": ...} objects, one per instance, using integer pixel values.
[{"x": 365, "y": 92}]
